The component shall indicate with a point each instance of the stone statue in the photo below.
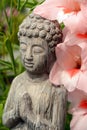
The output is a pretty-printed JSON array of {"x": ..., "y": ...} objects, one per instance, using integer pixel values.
[{"x": 33, "y": 102}]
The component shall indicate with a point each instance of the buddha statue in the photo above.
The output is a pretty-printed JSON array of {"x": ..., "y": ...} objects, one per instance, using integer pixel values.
[{"x": 33, "y": 102}]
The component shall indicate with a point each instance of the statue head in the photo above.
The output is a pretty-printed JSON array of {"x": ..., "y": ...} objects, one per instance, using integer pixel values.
[{"x": 38, "y": 38}]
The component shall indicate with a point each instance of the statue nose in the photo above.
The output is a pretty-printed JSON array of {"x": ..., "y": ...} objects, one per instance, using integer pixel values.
[{"x": 29, "y": 53}]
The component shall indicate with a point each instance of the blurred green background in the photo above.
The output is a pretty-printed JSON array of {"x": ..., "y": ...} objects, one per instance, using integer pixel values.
[{"x": 12, "y": 12}]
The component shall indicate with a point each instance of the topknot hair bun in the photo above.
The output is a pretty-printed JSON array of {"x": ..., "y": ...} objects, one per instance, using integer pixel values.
[{"x": 37, "y": 26}]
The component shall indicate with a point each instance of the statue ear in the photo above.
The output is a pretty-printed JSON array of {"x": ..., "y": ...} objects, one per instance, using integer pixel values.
[{"x": 50, "y": 61}]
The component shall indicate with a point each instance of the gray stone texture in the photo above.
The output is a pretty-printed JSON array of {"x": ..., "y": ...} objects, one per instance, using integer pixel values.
[{"x": 33, "y": 102}]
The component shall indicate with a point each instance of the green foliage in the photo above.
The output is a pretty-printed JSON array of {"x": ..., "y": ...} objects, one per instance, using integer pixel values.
[
  {"x": 12, "y": 12},
  {"x": 31, "y": 4},
  {"x": 62, "y": 25},
  {"x": 10, "y": 50},
  {"x": 68, "y": 119},
  {"x": 3, "y": 96}
]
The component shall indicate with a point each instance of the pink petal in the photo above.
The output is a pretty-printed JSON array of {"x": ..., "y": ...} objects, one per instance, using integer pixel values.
[
  {"x": 84, "y": 56},
  {"x": 83, "y": 104},
  {"x": 62, "y": 16},
  {"x": 75, "y": 21},
  {"x": 58, "y": 76},
  {"x": 76, "y": 97},
  {"x": 55, "y": 74},
  {"x": 82, "y": 82},
  {"x": 67, "y": 55},
  {"x": 79, "y": 122},
  {"x": 64, "y": 70},
  {"x": 82, "y": 1},
  {"x": 50, "y": 8},
  {"x": 79, "y": 115}
]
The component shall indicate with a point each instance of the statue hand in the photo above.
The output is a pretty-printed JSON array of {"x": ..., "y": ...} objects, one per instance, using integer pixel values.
[
  {"x": 40, "y": 126},
  {"x": 25, "y": 105}
]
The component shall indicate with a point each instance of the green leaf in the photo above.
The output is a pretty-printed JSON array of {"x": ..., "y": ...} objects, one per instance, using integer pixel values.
[
  {"x": 1, "y": 43},
  {"x": 1, "y": 33},
  {"x": 20, "y": 67},
  {"x": 2, "y": 83},
  {"x": 18, "y": 4},
  {"x": 62, "y": 25},
  {"x": 28, "y": 4},
  {"x": 24, "y": 3},
  {"x": 1, "y": 110},
  {"x": 35, "y": 1},
  {"x": 3, "y": 128},
  {"x": 5, "y": 93},
  {"x": 27, "y": 1},
  {"x": 11, "y": 19},
  {"x": 10, "y": 51},
  {"x": 5, "y": 68},
  {"x": 68, "y": 119},
  {"x": 5, "y": 63}
]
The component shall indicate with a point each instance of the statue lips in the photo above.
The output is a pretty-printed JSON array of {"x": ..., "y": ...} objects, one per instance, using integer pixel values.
[{"x": 29, "y": 64}]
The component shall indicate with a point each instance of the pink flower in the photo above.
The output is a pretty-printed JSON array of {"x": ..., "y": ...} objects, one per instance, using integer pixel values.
[
  {"x": 70, "y": 67},
  {"x": 78, "y": 109},
  {"x": 79, "y": 121},
  {"x": 72, "y": 12},
  {"x": 49, "y": 9},
  {"x": 75, "y": 20},
  {"x": 14, "y": 11}
]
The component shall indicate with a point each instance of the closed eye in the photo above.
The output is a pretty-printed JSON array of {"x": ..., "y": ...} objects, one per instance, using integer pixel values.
[
  {"x": 37, "y": 49},
  {"x": 23, "y": 46}
]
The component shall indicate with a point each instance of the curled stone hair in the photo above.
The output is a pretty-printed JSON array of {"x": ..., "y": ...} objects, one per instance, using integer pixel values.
[{"x": 37, "y": 26}]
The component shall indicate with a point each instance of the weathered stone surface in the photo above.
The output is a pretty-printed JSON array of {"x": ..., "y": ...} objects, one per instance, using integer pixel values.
[{"x": 33, "y": 102}]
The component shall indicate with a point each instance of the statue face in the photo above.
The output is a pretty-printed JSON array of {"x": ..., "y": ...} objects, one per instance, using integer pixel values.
[{"x": 34, "y": 52}]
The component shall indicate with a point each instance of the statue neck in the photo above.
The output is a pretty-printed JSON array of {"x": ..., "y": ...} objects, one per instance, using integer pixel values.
[{"x": 36, "y": 77}]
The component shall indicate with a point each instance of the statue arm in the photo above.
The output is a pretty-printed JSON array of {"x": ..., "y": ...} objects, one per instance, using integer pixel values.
[
  {"x": 59, "y": 109},
  {"x": 10, "y": 116}
]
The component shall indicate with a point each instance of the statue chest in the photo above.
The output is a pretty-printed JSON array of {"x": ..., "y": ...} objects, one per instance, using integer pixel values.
[{"x": 41, "y": 97}]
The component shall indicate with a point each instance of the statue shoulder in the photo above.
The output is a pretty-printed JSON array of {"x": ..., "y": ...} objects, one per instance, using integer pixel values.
[
  {"x": 19, "y": 79},
  {"x": 58, "y": 90},
  {"x": 61, "y": 89}
]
